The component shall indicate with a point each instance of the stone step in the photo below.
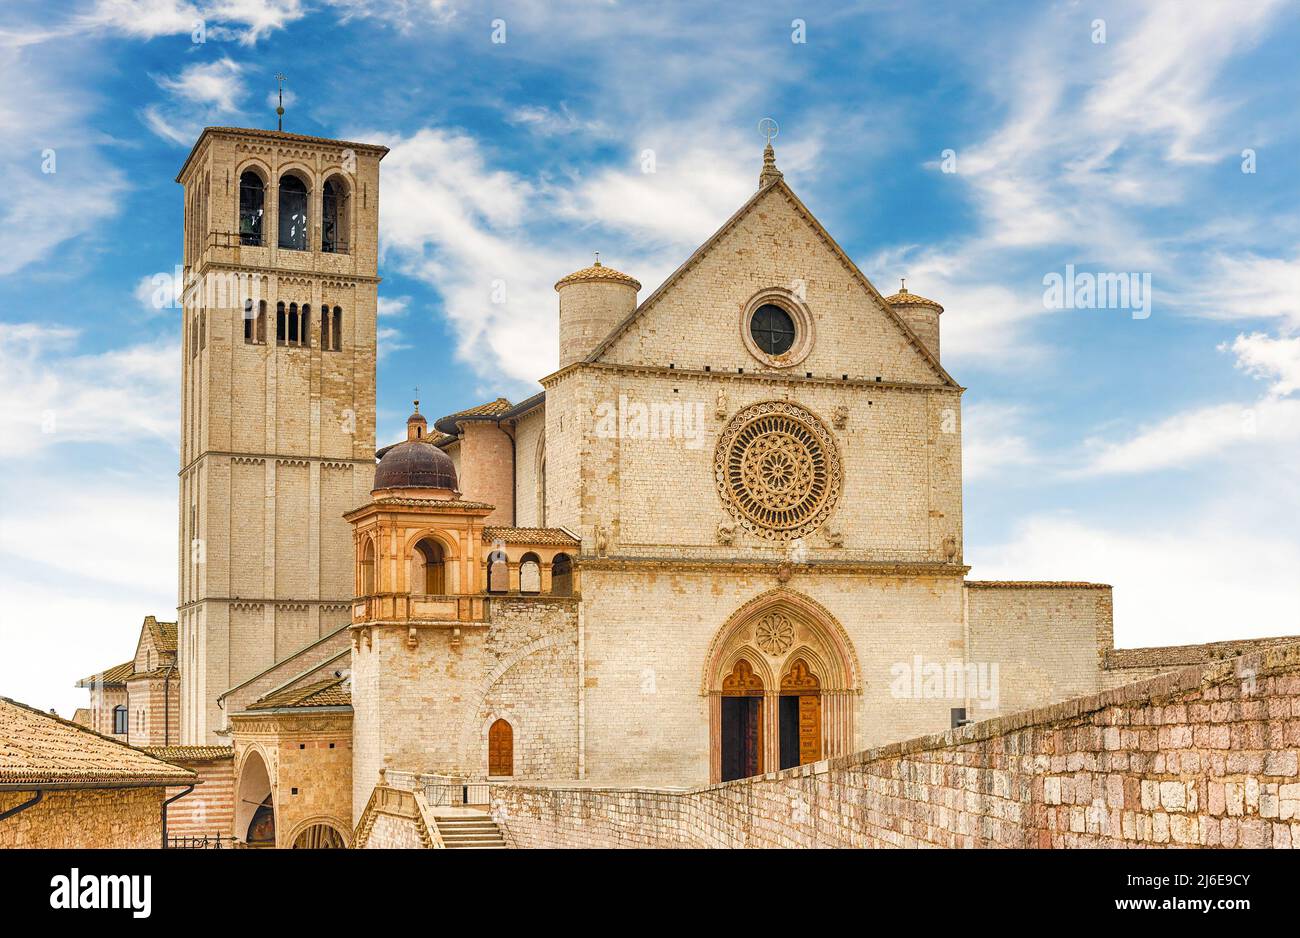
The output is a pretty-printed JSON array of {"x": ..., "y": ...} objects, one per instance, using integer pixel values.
[{"x": 470, "y": 832}]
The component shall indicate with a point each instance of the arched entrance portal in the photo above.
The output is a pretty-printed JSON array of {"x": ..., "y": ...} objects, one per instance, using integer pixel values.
[
  {"x": 742, "y": 722},
  {"x": 782, "y": 680},
  {"x": 254, "y": 805},
  {"x": 319, "y": 837}
]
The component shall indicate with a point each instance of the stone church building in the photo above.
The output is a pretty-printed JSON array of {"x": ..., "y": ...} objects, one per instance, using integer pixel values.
[{"x": 724, "y": 538}]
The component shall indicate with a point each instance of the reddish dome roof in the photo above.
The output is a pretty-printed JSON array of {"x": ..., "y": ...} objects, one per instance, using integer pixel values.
[{"x": 415, "y": 464}]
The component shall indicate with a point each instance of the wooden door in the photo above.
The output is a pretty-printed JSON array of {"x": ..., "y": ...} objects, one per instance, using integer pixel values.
[
  {"x": 501, "y": 749},
  {"x": 810, "y": 728}
]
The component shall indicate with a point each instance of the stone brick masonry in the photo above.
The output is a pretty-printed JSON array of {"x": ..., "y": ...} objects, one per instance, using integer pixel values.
[{"x": 1206, "y": 756}]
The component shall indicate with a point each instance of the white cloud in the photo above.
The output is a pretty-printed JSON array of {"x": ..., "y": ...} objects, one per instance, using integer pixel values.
[
  {"x": 389, "y": 341},
  {"x": 1272, "y": 359},
  {"x": 247, "y": 21},
  {"x": 201, "y": 94},
  {"x": 1248, "y": 286},
  {"x": 993, "y": 440},
  {"x": 58, "y": 185},
  {"x": 51, "y": 395},
  {"x": 1194, "y": 580},
  {"x": 1228, "y": 429},
  {"x": 1182, "y": 439},
  {"x": 394, "y": 306}
]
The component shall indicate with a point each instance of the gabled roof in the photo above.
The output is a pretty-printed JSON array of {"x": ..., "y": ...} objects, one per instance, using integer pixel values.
[
  {"x": 43, "y": 749},
  {"x": 777, "y": 187},
  {"x": 327, "y": 693},
  {"x": 164, "y": 634},
  {"x": 112, "y": 677}
]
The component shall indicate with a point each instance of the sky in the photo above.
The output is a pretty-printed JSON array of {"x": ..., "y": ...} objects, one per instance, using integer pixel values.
[{"x": 975, "y": 148}]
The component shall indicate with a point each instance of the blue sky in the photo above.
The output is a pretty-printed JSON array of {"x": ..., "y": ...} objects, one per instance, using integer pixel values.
[{"x": 1157, "y": 454}]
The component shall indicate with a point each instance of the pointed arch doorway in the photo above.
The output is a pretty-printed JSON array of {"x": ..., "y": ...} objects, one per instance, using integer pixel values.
[
  {"x": 742, "y": 722},
  {"x": 782, "y": 681}
]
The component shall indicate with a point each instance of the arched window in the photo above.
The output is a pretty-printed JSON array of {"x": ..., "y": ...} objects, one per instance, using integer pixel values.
[
  {"x": 498, "y": 572},
  {"x": 121, "y": 720},
  {"x": 501, "y": 749},
  {"x": 562, "y": 575},
  {"x": 293, "y": 325},
  {"x": 281, "y": 323},
  {"x": 336, "y": 331},
  {"x": 325, "y": 327},
  {"x": 261, "y": 322},
  {"x": 368, "y": 569},
  {"x": 429, "y": 570},
  {"x": 304, "y": 329},
  {"x": 252, "y": 199},
  {"x": 334, "y": 216},
  {"x": 530, "y": 573},
  {"x": 293, "y": 213},
  {"x": 250, "y": 323}
]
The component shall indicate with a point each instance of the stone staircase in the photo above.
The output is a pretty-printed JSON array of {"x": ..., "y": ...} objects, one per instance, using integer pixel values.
[{"x": 473, "y": 831}]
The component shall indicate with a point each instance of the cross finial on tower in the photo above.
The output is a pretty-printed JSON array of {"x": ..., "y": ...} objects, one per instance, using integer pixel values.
[
  {"x": 279, "y": 108},
  {"x": 770, "y": 174},
  {"x": 597, "y": 258}
]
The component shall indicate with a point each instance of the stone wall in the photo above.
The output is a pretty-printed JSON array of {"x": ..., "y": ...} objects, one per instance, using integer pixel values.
[
  {"x": 396, "y": 819},
  {"x": 1048, "y": 640},
  {"x": 86, "y": 818},
  {"x": 426, "y": 706},
  {"x": 1196, "y": 757}
]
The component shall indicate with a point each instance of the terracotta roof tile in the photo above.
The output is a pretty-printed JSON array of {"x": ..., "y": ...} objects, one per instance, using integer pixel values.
[
  {"x": 190, "y": 753},
  {"x": 550, "y": 536},
  {"x": 113, "y": 677},
  {"x": 904, "y": 298},
  {"x": 327, "y": 693},
  {"x": 598, "y": 272},
  {"x": 38, "y": 748}
]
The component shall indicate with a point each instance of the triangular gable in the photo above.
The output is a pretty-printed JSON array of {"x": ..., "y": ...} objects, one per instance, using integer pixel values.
[{"x": 778, "y": 187}]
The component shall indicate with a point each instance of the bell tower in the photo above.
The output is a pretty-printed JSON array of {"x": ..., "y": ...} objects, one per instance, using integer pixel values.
[{"x": 277, "y": 400}]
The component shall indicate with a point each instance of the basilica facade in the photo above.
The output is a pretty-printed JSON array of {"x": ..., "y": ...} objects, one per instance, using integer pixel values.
[{"x": 723, "y": 538}]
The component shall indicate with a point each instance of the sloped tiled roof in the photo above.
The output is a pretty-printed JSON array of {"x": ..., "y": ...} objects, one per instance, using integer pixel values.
[
  {"x": 485, "y": 411},
  {"x": 112, "y": 677},
  {"x": 328, "y": 693},
  {"x": 164, "y": 634},
  {"x": 530, "y": 536},
  {"x": 38, "y": 748},
  {"x": 190, "y": 753}
]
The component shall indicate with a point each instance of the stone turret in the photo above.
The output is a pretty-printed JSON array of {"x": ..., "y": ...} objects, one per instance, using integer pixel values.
[
  {"x": 919, "y": 313},
  {"x": 592, "y": 302}
]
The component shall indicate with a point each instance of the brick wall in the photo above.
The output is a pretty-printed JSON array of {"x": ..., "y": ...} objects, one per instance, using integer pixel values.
[
  {"x": 210, "y": 808},
  {"x": 91, "y": 818},
  {"x": 1205, "y": 756}
]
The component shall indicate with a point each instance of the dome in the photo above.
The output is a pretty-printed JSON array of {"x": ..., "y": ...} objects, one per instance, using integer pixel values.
[
  {"x": 903, "y": 298},
  {"x": 598, "y": 272},
  {"x": 415, "y": 464}
]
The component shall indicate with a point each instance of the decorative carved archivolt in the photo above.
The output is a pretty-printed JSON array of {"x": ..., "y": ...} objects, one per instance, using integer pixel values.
[{"x": 777, "y": 470}]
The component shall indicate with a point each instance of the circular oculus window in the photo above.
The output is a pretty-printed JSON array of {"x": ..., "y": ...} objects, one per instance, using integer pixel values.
[
  {"x": 777, "y": 328},
  {"x": 772, "y": 329}
]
